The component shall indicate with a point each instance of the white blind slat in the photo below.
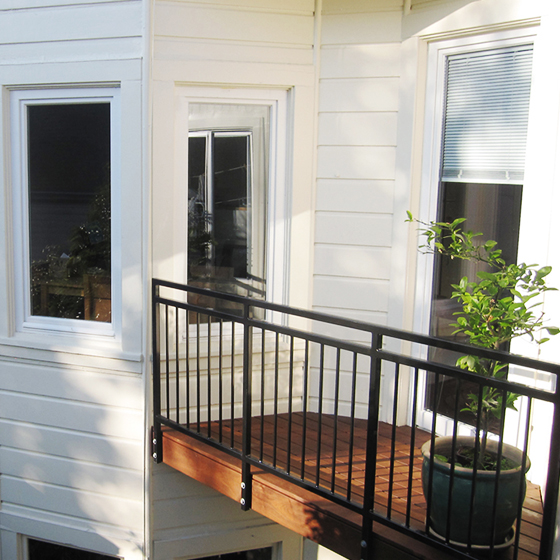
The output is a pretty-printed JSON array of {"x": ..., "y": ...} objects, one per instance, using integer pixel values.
[{"x": 486, "y": 115}]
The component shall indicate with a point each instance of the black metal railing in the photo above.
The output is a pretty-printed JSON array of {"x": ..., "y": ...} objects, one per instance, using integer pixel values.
[{"x": 322, "y": 402}]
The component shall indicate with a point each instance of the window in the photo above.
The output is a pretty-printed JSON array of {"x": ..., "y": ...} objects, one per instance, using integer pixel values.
[
  {"x": 63, "y": 198},
  {"x": 481, "y": 172},
  {"x": 228, "y": 196},
  {"x": 256, "y": 554},
  {"x": 41, "y": 550}
]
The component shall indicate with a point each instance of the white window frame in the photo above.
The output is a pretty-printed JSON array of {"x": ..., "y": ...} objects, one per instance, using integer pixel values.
[
  {"x": 431, "y": 168},
  {"x": 278, "y": 216},
  {"x": 20, "y": 99}
]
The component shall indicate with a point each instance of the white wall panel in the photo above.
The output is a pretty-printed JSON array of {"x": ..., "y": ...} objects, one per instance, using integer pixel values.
[
  {"x": 360, "y": 6},
  {"x": 183, "y": 49},
  {"x": 360, "y": 94},
  {"x": 351, "y": 293},
  {"x": 356, "y": 162},
  {"x": 91, "y": 448},
  {"x": 125, "y": 391},
  {"x": 64, "y": 23},
  {"x": 358, "y": 129},
  {"x": 21, "y": 4},
  {"x": 96, "y": 419},
  {"x": 97, "y": 507},
  {"x": 104, "y": 49},
  {"x": 69, "y": 473},
  {"x": 352, "y": 262},
  {"x": 195, "y": 21},
  {"x": 352, "y": 228},
  {"x": 295, "y": 6},
  {"x": 362, "y": 28},
  {"x": 354, "y": 195},
  {"x": 360, "y": 61}
]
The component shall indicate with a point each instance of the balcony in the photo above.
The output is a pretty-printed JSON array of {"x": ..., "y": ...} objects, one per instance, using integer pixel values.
[{"x": 317, "y": 422}]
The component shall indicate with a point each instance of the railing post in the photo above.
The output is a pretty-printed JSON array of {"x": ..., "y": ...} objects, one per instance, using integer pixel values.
[
  {"x": 371, "y": 446},
  {"x": 246, "y": 477},
  {"x": 548, "y": 531},
  {"x": 157, "y": 451}
]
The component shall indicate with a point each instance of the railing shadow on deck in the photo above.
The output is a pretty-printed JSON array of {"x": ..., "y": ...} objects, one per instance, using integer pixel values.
[{"x": 320, "y": 401}]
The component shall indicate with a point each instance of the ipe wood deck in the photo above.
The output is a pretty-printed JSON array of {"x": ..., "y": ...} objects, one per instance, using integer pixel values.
[{"x": 330, "y": 454}]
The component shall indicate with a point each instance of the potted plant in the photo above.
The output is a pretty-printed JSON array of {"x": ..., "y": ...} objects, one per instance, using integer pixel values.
[{"x": 497, "y": 307}]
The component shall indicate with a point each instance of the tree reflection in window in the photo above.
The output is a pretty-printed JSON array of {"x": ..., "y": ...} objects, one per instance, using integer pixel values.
[
  {"x": 228, "y": 182},
  {"x": 69, "y": 198}
]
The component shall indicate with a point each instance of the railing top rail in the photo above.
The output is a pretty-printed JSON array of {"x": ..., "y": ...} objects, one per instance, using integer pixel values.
[
  {"x": 465, "y": 375},
  {"x": 373, "y": 329}
]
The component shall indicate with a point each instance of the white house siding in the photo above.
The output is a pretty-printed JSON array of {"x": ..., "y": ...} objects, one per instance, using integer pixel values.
[
  {"x": 360, "y": 67},
  {"x": 72, "y": 406},
  {"x": 358, "y": 104},
  {"x": 231, "y": 44}
]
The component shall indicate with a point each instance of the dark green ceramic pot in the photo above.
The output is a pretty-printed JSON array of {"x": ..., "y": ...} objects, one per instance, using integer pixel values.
[{"x": 511, "y": 492}]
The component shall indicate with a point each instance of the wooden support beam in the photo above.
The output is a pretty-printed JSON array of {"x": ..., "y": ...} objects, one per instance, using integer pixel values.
[{"x": 297, "y": 509}]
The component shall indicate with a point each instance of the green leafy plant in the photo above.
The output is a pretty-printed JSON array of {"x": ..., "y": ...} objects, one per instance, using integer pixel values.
[{"x": 502, "y": 304}]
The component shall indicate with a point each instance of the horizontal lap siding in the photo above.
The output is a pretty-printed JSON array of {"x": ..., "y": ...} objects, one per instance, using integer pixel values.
[
  {"x": 356, "y": 171},
  {"x": 61, "y": 31},
  {"x": 72, "y": 426},
  {"x": 233, "y": 42},
  {"x": 245, "y": 43},
  {"x": 71, "y": 450},
  {"x": 358, "y": 110}
]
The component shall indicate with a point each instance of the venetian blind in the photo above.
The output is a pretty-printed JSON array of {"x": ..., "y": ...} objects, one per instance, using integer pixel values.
[{"x": 486, "y": 115}]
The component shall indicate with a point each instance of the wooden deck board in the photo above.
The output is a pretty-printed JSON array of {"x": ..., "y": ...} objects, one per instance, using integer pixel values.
[{"x": 309, "y": 455}]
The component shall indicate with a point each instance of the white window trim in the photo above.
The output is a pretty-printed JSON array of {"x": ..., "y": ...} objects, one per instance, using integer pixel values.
[
  {"x": 431, "y": 165},
  {"x": 19, "y": 101},
  {"x": 278, "y": 217}
]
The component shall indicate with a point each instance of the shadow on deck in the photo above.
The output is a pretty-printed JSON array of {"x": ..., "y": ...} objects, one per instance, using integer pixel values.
[{"x": 304, "y": 447}]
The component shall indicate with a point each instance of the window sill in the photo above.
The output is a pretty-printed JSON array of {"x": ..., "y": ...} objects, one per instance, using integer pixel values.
[{"x": 71, "y": 349}]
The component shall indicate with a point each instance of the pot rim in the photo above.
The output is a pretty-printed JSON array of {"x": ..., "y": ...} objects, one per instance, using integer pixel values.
[{"x": 443, "y": 440}]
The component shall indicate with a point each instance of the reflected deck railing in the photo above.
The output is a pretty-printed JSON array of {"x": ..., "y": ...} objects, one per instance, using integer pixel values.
[{"x": 229, "y": 371}]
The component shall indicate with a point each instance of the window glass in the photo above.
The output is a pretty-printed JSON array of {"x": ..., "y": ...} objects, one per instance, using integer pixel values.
[
  {"x": 495, "y": 211},
  {"x": 41, "y": 550},
  {"x": 256, "y": 554},
  {"x": 228, "y": 192},
  {"x": 69, "y": 210}
]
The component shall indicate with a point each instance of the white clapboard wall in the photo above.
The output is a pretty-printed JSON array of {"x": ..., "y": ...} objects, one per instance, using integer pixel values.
[
  {"x": 72, "y": 408},
  {"x": 234, "y": 45}
]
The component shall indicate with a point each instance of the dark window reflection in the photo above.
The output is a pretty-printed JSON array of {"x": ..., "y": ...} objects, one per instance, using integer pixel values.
[
  {"x": 223, "y": 252},
  {"x": 257, "y": 554},
  {"x": 494, "y": 210},
  {"x": 219, "y": 207},
  {"x": 70, "y": 210},
  {"x": 39, "y": 550}
]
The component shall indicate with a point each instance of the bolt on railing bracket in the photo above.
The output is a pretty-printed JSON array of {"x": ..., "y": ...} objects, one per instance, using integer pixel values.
[
  {"x": 246, "y": 488},
  {"x": 156, "y": 454}
]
